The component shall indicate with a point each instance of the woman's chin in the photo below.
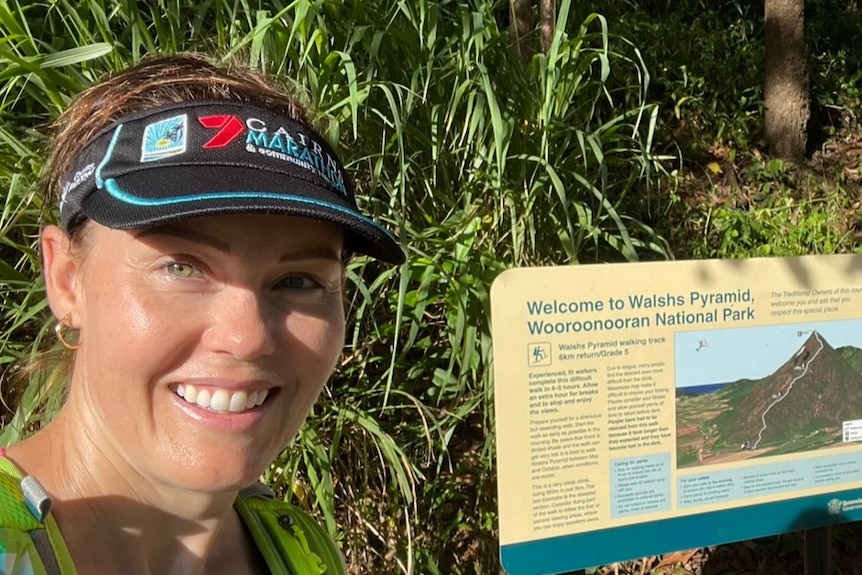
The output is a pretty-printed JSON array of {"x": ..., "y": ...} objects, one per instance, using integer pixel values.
[
  {"x": 216, "y": 452},
  {"x": 213, "y": 469},
  {"x": 213, "y": 478}
]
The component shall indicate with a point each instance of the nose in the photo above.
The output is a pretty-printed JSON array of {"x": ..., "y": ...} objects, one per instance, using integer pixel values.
[{"x": 241, "y": 325}]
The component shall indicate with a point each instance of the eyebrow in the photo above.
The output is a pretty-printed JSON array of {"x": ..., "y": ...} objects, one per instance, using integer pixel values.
[
  {"x": 186, "y": 234},
  {"x": 312, "y": 253},
  {"x": 315, "y": 253}
]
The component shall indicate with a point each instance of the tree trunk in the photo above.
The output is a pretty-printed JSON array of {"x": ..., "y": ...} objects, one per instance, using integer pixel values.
[
  {"x": 547, "y": 24},
  {"x": 520, "y": 29},
  {"x": 785, "y": 92}
]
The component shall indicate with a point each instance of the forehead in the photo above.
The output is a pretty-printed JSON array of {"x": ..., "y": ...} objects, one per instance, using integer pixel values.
[{"x": 249, "y": 234}]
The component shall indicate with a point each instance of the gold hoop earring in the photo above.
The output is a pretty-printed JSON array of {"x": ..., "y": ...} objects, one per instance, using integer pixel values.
[{"x": 58, "y": 331}]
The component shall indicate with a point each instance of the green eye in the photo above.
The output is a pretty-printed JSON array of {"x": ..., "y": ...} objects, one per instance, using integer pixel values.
[
  {"x": 296, "y": 282},
  {"x": 181, "y": 270}
]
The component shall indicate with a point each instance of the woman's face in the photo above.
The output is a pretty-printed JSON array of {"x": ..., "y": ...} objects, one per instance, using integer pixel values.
[{"x": 205, "y": 343}]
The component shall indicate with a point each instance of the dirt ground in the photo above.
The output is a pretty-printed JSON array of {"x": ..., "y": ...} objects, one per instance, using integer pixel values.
[{"x": 778, "y": 555}]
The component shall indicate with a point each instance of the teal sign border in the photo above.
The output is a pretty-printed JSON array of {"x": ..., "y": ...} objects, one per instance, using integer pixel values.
[{"x": 567, "y": 553}]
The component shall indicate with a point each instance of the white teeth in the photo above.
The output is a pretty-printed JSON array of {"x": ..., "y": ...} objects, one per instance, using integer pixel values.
[
  {"x": 222, "y": 400},
  {"x": 204, "y": 398},
  {"x": 238, "y": 401}
]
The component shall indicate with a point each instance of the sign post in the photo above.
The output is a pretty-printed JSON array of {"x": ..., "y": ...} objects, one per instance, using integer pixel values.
[{"x": 646, "y": 408}]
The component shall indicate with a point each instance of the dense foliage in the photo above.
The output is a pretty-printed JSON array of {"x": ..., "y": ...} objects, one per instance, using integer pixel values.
[
  {"x": 481, "y": 163},
  {"x": 730, "y": 199}
]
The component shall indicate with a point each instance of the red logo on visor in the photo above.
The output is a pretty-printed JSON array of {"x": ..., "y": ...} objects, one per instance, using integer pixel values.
[{"x": 231, "y": 127}]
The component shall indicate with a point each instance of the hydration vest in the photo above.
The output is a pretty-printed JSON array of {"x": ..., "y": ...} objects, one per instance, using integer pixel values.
[{"x": 290, "y": 541}]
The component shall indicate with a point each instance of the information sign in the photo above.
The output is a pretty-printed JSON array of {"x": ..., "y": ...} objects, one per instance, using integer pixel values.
[{"x": 645, "y": 408}]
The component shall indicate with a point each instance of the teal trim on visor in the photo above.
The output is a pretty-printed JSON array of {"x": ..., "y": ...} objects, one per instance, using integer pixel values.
[
  {"x": 113, "y": 188},
  {"x": 108, "y": 153}
]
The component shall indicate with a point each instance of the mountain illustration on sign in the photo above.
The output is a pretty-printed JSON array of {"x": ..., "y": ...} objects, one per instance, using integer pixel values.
[{"x": 801, "y": 406}]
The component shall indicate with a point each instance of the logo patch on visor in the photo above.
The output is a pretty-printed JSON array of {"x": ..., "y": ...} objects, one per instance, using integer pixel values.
[
  {"x": 164, "y": 139},
  {"x": 230, "y": 126}
]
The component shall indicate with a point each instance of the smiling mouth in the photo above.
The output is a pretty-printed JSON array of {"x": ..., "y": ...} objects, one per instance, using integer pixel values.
[{"x": 221, "y": 400}]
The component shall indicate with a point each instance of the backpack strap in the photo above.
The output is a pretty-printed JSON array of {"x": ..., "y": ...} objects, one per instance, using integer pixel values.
[
  {"x": 291, "y": 541},
  {"x": 25, "y": 507}
]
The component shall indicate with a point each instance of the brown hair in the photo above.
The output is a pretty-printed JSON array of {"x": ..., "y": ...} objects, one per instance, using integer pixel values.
[{"x": 156, "y": 81}]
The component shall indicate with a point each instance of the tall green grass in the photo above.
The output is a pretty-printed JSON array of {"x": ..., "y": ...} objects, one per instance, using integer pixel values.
[{"x": 479, "y": 162}]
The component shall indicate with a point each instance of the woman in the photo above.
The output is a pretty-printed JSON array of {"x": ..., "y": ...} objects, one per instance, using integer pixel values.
[{"x": 200, "y": 263}]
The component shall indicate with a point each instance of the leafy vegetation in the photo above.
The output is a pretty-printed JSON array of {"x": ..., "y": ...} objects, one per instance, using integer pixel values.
[
  {"x": 480, "y": 163},
  {"x": 637, "y": 136}
]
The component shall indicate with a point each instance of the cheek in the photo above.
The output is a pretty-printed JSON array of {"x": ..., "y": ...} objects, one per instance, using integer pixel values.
[
  {"x": 323, "y": 339},
  {"x": 317, "y": 342},
  {"x": 133, "y": 318},
  {"x": 136, "y": 326},
  {"x": 335, "y": 335},
  {"x": 334, "y": 345},
  {"x": 160, "y": 315},
  {"x": 137, "y": 314}
]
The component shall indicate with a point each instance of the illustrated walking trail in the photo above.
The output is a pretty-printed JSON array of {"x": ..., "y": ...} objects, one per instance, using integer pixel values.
[{"x": 786, "y": 393}]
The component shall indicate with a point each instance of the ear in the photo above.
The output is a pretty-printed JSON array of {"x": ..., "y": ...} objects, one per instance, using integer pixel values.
[{"x": 62, "y": 270}]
